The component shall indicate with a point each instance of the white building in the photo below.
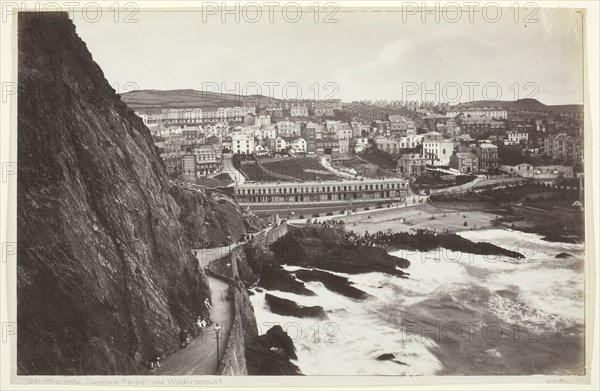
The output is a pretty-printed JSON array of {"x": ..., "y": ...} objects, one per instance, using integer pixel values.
[
  {"x": 360, "y": 143},
  {"x": 436, "y": 149},
  {"x": 496, "y": 113},
  {"x": 263, "y": 119},
  {"x": 411, "y": 140},
  {"x": 298, "y": 145},
  {"x": 269, "y": 131},
  {"x": 288, "y": 128},
  {"x": 516, "y": 136},
  {"x": 280, "y": 144},
  {"x": 242, "y": 144}
]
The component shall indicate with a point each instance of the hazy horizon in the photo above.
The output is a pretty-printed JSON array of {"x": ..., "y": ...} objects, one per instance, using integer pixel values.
[{"x": 364, "y": 55}]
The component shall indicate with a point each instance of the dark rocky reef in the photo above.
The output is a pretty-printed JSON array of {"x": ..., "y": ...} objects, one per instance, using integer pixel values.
[
  {"x": 287, "y": 307},
  {"x": 563, "y": 255},
  {"x": 270, "y": 354},
  {"x": 430, "y": 241},
  {"x": 323, "y": 248},
  {"x": 332, "y": 282},
  {"x": 390, "y": 357},
  {"x": 102, "y": 251},
  {"x": 274, "y": 277},
  {"x": 386, "y": 357}
]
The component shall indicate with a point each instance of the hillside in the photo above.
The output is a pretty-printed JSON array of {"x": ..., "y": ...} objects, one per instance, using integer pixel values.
[
  {"x": 157, "y": 99},
  {"x": 521, "y": 104},
  {"x": 105, "y": 274}
]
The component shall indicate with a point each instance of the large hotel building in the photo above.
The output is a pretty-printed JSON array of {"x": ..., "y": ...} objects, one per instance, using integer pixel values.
[{"x": 327, "y": 191}]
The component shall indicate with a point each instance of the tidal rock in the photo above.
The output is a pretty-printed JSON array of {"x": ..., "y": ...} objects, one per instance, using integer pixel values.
[
  {"x": 263, "y": 361},
  {"x": 386, "y": 356},
  {"x": 270, "y": 354},
  {"x": 324, "y": 248},
  {"x": 274, "y": 277},
  {"x": 427, "y": 241},
  {"x": 276, "y": 337},
  {"x": 287, "y": 307},
  {"x": 563, "y": 255},
  {"x": 332, "y": 282}
]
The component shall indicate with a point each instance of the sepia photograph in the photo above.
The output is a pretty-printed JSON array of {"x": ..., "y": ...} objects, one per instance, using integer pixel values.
[{"x": 395, "y": 191}]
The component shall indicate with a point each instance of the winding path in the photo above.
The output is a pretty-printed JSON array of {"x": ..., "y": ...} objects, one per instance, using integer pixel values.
[{"x": 200, "y": 357}]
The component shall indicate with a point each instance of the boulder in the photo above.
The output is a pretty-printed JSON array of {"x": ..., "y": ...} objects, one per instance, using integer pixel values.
[
  {"x": 270, "y": 354},
  {"x": 274, "y": 277},
  {"x": 287, "y": 307},
  {"x": 332, "y": 282},
  {"x": 563, "y": 255},
  {"x": 264, "y": 361},
  {"x": 386, "y": 357}
]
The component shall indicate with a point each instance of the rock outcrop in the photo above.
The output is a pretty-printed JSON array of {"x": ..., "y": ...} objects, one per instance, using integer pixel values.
[
  {"x": 323, "y": 248},
  {"x": 105, "y": 273},
  {"x": 274, "y": 277},
  {"x": 332, "y": 282},
  {"x": 281, "y": 306},
  {"x": 270, "y": 354},
  {"x": 422, "y": 241}
]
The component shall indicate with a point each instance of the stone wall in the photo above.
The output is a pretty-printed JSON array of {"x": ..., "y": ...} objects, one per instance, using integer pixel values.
[
  {"x": 243, "y": 328},
  {"x": 233, "y": 362}
]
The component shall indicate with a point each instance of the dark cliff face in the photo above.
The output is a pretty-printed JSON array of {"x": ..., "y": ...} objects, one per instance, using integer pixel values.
[
  {"x": 105, "y": 274},
  {"x": 212, "y": 217}
]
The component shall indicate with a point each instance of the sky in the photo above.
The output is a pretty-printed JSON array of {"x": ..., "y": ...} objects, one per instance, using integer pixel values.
[{"x": 356, "y": 55}]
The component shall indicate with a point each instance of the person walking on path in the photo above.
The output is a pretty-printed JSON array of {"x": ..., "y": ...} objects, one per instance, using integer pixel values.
[{"x": 207, "y": 303}]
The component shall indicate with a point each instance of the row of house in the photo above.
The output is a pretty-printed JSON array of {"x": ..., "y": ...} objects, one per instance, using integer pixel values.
[
  {"x": 195, "y": 115},
  {"x": 275, "y": 108},
  {"x": 194, "y": 161},
  {"x": 466, "y": 159}
]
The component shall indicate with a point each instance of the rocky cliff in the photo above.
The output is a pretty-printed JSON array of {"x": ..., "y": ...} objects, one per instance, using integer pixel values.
[
  {"x": 210, "y": 217},
  {"x": 106, "y": 277}
]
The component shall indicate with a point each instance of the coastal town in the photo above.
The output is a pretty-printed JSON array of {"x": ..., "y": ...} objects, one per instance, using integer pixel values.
[
  {"x": 172, "y": 231},
  {"x": 295, "y": 158}
]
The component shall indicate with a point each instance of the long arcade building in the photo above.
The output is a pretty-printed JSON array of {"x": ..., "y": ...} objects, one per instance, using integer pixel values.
[{"x": 326, "y": 191}]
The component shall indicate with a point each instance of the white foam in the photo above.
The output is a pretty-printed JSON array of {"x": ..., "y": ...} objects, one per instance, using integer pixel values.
[{"x": 540, "y": 289}]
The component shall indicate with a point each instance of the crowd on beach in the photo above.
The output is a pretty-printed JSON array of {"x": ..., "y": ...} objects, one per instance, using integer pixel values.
[
  {"x": 325, "y": 223},
  {"x": 381, "y": 239}
]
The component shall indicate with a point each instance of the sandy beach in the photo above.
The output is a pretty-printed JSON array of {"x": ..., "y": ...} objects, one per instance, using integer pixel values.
[{"x": 425, "y": 216}]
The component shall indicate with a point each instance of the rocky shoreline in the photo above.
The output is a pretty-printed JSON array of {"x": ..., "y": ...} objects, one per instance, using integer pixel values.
[
  {"x": 319, "y": 253},
  {"x": 427, "y": 241}
]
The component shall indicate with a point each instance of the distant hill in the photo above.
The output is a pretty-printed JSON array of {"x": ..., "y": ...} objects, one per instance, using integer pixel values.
[
  {"x": 158, "y": 99},
  {"x": 518, "y": 105}
]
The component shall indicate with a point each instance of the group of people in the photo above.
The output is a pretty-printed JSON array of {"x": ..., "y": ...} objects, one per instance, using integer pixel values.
[
  {"x": 153, "y": 363},
  {"x": 325, "y": 223},
  {"x": 184, "y": 338},
  {"x": 363, "y": 240},
  {"x": 184, "y": 334},
  {"x": 202, "y": 323}
]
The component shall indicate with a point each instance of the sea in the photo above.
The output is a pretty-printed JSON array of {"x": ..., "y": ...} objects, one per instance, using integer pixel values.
[{"x": 456, "y": 314}]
